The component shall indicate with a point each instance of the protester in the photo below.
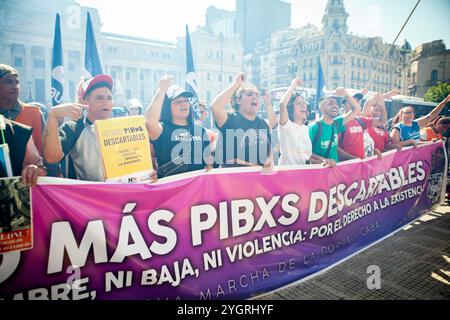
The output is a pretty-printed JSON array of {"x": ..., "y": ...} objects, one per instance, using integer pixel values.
[
  {"x": 77, "y": 137},
  {"x": 180, "y": 144},
  {"x": 12, "y": 108},
  {"x": 24, "y": 157},
  {"x": 245, "y": 137},
  {"x": 134, "y": 107},
  {"x": 435, "y": 129},
  {"x": 375, "y": 109},
  {"x": 406, "y": 130},
  {"x": 366, "y": 136},
  {"x": 324, "y": 133},
  {"x": 295, "y": 144},
  {"x": 42, "y": 108}
]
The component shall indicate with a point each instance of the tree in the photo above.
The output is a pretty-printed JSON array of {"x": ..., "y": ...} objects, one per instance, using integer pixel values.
[{"x": 438, "y": 93}]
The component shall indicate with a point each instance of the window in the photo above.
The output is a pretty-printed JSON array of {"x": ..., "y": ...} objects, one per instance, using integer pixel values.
[
  {"x": 127, "y": 76},
  {"x": 72, "y": 90},
  {"x": 39, "y": 86},
  {"x": 208, "y": 76},
  {"x": 434, "y": 75},
  {"x": 335, "y": 47},
  {"x": 114, "y": 75},
  {"x": 38, "y": 55},
  {"x": 38, "y": 64},
  {"x": 208, "y": 96},
  {"x": 230, "y": 79},
  {"x": 128, "y": 93},
  {"x": 18, "y": 62},
  {"x": 219, "y": 77},
  {"x": 142, "y": 95},
  {"x": 18, "y": 52},
  {"x": 141, "y": 76},
  {"x": 310, "y": 76}
]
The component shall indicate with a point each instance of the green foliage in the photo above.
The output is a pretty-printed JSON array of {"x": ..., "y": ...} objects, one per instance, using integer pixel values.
[{"x": 438, "y": 93}]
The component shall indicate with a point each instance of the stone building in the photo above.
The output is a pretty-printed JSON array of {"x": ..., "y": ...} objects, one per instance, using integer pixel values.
[
  {"x": 347, "y": 60},
  {"x": 136, "y": 64},
  {"x": 430, "y": 64}
]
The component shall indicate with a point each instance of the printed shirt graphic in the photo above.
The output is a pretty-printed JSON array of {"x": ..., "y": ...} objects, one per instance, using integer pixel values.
[
  {"x": 356, "y": 140},
  {"x": 408, "y": 132},
  {"x": 380, "y": 137},
  {"x": 320, "y": 148},
  {"x": 184, "y": 146},
  {"x": 251, "y": 140},
  {"x": 295, "y": 144}
]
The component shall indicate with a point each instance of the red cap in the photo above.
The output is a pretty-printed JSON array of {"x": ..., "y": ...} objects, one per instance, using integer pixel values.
[{"x": 102, "y": 80}]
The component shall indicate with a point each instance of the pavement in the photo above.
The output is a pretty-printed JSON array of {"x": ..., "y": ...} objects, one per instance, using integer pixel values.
[{"x": 414, "y": 265}]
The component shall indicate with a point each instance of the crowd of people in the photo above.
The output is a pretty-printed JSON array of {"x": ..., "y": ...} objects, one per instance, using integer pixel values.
[{"x": 347, "y": 130}]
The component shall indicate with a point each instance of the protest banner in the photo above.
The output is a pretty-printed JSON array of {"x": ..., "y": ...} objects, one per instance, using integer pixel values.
[
  {"x": 15, "y": 216},
  {"x": 226, "y": 234},
  {"x": 125, "y": 149}
]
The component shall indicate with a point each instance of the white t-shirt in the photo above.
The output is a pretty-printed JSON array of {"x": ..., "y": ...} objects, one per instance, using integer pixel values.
[{"x": 295, "y": 144}]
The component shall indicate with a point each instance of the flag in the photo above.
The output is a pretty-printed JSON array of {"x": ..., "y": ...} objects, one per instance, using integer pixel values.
[
  {"x": 191, "y": 83},
  {"x": 320, "y": 87},
  {"x": 91, "y": 58},
  {"x": 57, "y": 82}
]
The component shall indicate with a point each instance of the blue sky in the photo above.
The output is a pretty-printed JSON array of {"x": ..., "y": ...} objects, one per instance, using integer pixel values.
[{"x": 165, "y": 19}]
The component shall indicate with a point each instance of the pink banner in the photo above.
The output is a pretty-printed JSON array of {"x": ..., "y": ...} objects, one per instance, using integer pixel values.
[{"x": 228, "y": 234}]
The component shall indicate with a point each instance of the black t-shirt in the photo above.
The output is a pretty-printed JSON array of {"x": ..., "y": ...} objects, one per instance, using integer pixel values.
[
  {"x": 181, "y": 149},
  {"x": 16, "y": 136},
  {"x": 245, "y": 140}
]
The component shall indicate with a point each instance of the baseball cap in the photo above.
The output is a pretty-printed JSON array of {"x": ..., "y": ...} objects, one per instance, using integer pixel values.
[
  {"x": 176, "y": 91},
  {"x": 99, "y": 81}
]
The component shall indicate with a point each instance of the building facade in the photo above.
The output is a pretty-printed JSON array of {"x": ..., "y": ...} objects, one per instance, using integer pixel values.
[
  {"x": 347, "y": 60},
  {"x": 430, "y": 64},
  {"x": 136, "y": 64},
  {"x": 256, "y": 20}
]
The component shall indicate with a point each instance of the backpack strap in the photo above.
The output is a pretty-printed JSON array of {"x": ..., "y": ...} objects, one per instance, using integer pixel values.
[
  {"x": 361, "y": 123},
  {"x": 318, "y": 133},
  {"x": 327, "y": 154}
]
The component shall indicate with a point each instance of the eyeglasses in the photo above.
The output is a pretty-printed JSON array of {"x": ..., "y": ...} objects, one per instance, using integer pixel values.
[
  {"x": 408, "y": 112},
  {"x": 179, "y": 102}
]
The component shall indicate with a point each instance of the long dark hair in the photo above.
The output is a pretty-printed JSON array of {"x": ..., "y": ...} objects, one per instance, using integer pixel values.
[
  {"x": 166, "y": 112},
  {"x": 291, "y": 106}
]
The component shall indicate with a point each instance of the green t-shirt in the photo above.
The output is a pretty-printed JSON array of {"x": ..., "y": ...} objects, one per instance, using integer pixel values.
[{"x": 320, "y": 147}]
